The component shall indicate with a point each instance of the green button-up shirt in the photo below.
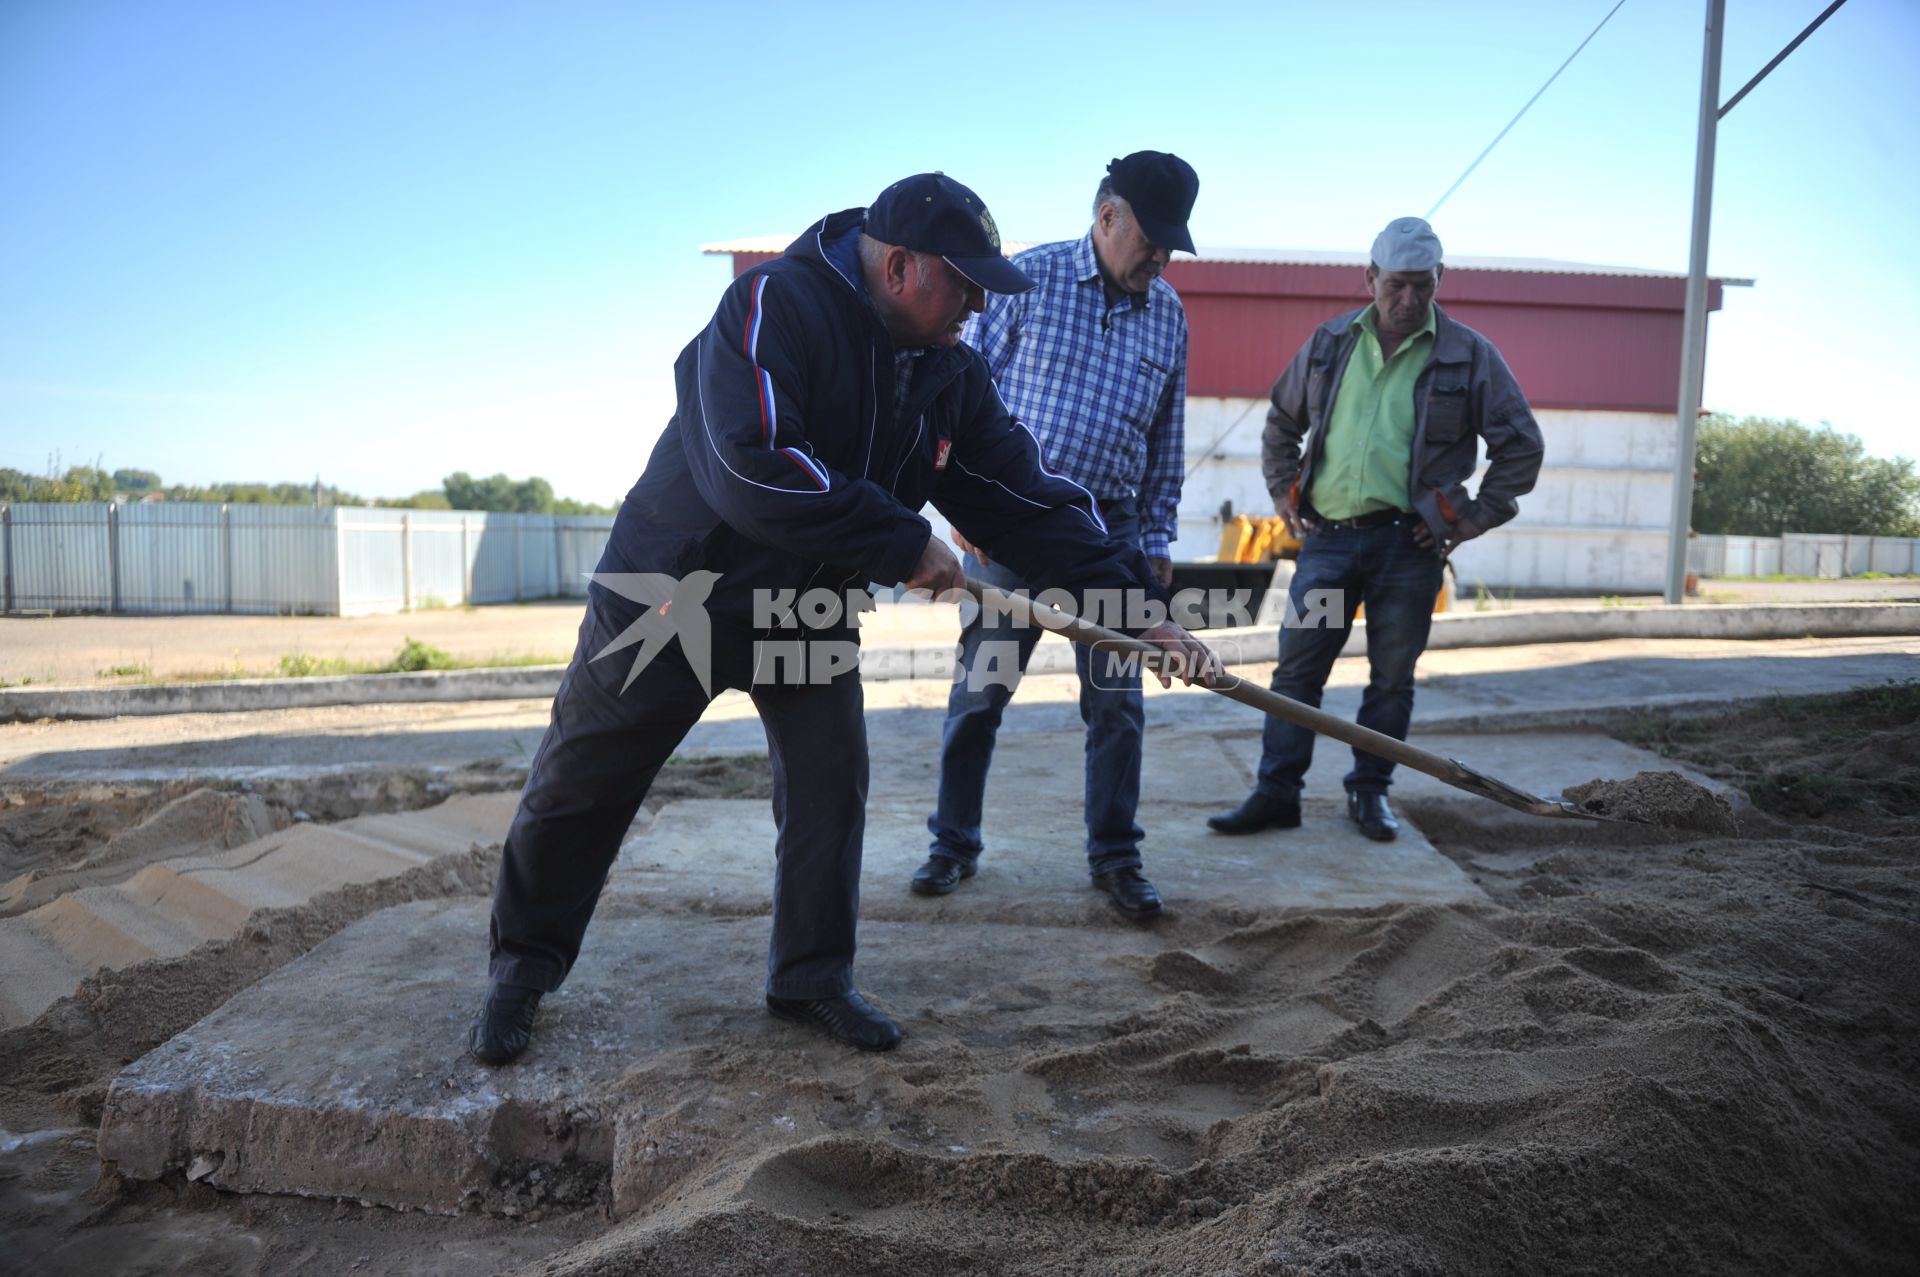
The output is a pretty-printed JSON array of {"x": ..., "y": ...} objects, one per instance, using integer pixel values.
[{"x": 1369, "y": 447}]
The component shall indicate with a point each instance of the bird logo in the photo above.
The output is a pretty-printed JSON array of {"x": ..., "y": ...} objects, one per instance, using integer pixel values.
[{"x": 675, "y": 606}]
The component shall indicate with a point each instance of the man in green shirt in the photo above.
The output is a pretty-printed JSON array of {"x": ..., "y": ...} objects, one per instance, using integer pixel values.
[{"x": 1373, "y": 434}]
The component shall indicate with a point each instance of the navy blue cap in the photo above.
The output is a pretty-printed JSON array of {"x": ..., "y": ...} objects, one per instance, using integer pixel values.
[
  {"x": 932, "y": 213},
  {"x": 1160, "y": 187}
]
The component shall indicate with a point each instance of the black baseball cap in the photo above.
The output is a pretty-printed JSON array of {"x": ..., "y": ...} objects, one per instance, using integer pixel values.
[
  {"x": 932, "y": 213},
  {"x": 1160, "y": 187}
]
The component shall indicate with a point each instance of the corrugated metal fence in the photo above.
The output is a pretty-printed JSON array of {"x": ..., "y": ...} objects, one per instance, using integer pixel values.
[
  {"x": 344, "y": 561},
  {"x": 1816, "y": 554}
]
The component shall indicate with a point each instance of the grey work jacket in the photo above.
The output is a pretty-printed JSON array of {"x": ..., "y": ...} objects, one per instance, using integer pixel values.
[{"x": 1465, "y": 393}]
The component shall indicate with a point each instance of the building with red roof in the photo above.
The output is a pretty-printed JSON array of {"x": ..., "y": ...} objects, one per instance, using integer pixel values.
[{"x": 1596, "y": 348}]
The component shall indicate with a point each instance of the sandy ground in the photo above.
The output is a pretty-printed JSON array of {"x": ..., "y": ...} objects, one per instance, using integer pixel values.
[
  {"x": 86, "y": 650},
  {"x": 1641, "y": 1053}
]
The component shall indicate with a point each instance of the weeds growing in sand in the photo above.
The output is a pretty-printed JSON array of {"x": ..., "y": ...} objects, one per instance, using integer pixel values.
[{"x": 1846, "y": 756}]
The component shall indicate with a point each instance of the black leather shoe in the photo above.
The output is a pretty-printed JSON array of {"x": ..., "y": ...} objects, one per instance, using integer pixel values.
[
  {"x": 504, "y": 1025},
  {"x": 1375, "y": 818},
  {"x": 1260, "y": 811},
  {"x": 1132, "y": 894},
  {"x": 849, "y": 1018},
  {"x": 940, "y": 875}
]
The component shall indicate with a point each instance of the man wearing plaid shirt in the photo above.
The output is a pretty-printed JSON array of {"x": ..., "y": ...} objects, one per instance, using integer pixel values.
[{"x": 1094, "y": 362}]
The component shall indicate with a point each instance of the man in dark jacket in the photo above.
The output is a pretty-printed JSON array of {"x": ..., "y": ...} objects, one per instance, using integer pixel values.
[
  {"x": 1373, "y": 433},
  {"x": 827, "y": 402}
]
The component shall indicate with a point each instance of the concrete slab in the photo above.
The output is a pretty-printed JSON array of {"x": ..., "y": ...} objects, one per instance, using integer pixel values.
[
  {"x": 343, "y": 1074},
  {"x": 278, "y": 1091},
  {"x": 1035, "y": 868},
  {"x": 1039, "y": 876}
]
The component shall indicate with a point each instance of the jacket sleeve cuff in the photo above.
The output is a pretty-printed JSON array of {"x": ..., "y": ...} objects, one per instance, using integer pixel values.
[
  {"x": 1487, "y": 515},
  {"x": 904, "y": 548},
  {"x": 1157, "y": 545}
]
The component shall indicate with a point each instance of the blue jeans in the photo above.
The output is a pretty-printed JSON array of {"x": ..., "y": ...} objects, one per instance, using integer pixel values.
[
  {"x": 993, "y": 655},
  {"x": 1397, "y": 579}
]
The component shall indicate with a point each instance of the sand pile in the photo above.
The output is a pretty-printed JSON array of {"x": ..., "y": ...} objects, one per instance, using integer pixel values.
[
  {"x": 1693, "y": 1054},
  {"x": 1696, "y": 1063},
  {"x": 1697, "y": 1057},
  {"x": 1663, "y": 798},
  {"x": 63, "y": 1060}
]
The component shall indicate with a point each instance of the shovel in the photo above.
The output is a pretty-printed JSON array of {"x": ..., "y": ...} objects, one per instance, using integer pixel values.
[{"x": 1449, "y": 770}]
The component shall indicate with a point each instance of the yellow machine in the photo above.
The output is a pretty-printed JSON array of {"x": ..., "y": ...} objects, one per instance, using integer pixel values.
[{"x": 1245, "y": 539}]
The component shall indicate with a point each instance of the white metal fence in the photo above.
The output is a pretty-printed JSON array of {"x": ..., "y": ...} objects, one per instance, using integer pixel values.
[
  {"x": 1818, "y": 554},
  {"x": 345, "y": 561}
]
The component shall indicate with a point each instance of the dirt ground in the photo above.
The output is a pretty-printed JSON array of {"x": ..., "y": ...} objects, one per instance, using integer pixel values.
[{"x": 1644, "y": 1052}]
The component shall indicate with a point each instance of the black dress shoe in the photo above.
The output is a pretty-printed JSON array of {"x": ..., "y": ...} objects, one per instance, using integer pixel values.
[
  {"x": 504, "y": 1025},
  {"x": 1260, "y": 811},
  {"x": 940, "y": 875},
  {"x": 849, "y": 1018},
  {"x": 1132, "y": 894},
  {"x": 1375, "y": 818}
]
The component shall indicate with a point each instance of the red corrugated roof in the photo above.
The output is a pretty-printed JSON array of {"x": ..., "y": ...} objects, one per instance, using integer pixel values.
[{"x": 1577, "y": 335}]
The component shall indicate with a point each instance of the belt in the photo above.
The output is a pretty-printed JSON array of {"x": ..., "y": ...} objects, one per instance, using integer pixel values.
[{"x": 1372, "y": 519}]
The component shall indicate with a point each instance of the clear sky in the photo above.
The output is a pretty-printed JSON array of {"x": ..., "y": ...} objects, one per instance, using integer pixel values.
[{"x": 381, "y": 242}]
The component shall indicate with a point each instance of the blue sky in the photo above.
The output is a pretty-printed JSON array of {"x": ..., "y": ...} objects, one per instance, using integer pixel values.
[{"x": 381, "y": 242}]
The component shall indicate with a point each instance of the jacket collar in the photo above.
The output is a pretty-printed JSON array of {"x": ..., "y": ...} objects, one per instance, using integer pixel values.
[
  {"x": 815, "y": 244},
  {"x": 1452, "y": 343}
]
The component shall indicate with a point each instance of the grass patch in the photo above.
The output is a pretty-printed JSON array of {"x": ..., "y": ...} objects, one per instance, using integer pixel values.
[
  {"x": 416, "y": 656},
  {"x": 413, "y": 657},
  {"x": 301, "y": 665},
  {"x": 1805, "y": 756},
  {"x": 127, "y": 671}
]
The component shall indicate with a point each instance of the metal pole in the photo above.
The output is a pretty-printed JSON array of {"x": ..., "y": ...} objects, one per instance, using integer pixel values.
[
  {"x": 113, "y": 557},
  {"x": 1693, "y": 349},
  {"x": 226, "y": 552},
  {"x": 406, "y": 563},
  {"x": 6, "y": 549}
]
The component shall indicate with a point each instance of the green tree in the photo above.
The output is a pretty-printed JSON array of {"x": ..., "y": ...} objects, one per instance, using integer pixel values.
[
  {"x": 499, "y": 494},
  {"x": 1760, "y": 477},
  {"x": 16, "y": 485},
  {"x": 567, "y": 505},
  {"x": 136, "y": 482}
]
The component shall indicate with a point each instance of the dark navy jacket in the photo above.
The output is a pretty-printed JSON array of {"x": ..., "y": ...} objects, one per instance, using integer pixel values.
[{"x": 783, "y": 468}]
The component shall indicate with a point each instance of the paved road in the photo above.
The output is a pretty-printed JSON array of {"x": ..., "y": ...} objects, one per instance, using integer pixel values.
[
  {"x": 72, "y": 651},
  {"x": 1483, "y": 686}
]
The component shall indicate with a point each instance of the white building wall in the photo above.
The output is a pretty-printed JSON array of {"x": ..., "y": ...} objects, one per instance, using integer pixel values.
[{"x": 1596, "y": 520}]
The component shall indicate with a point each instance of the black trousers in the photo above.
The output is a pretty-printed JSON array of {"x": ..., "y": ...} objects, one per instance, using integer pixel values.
[{"x": 600, "y": 754}]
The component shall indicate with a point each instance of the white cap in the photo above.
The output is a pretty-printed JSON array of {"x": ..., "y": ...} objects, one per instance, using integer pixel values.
[{"x": 1408, "y": 243}]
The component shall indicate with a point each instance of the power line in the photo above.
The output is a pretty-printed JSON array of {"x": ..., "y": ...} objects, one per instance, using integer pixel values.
[
  {"x": 1529, "y": 106},
  {"x": 1779, "y": 57}
]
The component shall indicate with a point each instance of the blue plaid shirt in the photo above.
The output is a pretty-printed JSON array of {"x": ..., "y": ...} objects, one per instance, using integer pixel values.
[{"x": 1103, "y": 387}]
